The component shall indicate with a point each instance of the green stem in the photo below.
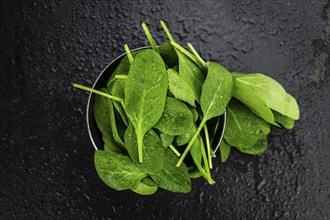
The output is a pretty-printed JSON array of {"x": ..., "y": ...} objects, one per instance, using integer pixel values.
[
  {"x": 129, "y": 54},
  {"x": 149, "y": 36},
  {"x": 191, "y": 142},
  {"x": 167, "y": 32},
  {"x": 207, "y": 169},
  {"x": 208, "y": 146},
  {"x": 175, "y": 150},
  {"x": 140, "y": 147},
  {"x": 97, "y": 92},
  {"x": 192, "y": 49},
  {"x": 121, "y": 76},
  {"x": 189, "y": 55}
]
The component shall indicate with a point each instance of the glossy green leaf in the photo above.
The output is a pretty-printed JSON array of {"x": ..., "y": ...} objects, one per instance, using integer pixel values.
[
  {"x": 193, "y": 76},
  {"x": 172, "y": 178},
  {"x": 242, "y": 127},
  {"x": 168, "y": 54},
  {"x": 179, "y": 88},
  {"x": 145, "y": 93},
  {"x": 117, "y": 171},
  {"x": 145, "y": 188},
  {"x": 103, "y": 115},
  {"x": 270, "y": 92},
  {"x": 224, "y": 151},
  {"x": 166, "y": 139},
  {"x": 152, "y": 148},
  {"x": 116, "y": 88},
  {"x": 217, "y": 91},
  {"x": 285, "y": 121},
  {"x": 184, "y": 138},
  {"x": 176, "y": 118}
]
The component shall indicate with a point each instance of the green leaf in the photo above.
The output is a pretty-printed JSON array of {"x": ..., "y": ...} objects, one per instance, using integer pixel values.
[
  {"x": 152, "y": 149},
  {"x": 117, "y": 171},
  {"x": 224, "y": 151},
  {"x": 270, "y": 92},
  {"x": 145, "y": 93},
  {"x": 168, "y": 54},
  {"x": 172, "y": 178},
  {"x": 166, "y": 139},
  {"x": 217, "y": 91},
  {"x": 191, "y": 74},
  {"x": 116, "y": 88},
  {"x": 145, "y": 188},
  {"x": 176, "y": 118},
  {"x": 258, "y": 148},
  {"x": 179, "y": 88},
  {"x": 103, "y": 115},
  {"x": 285, "y": 121},
  {"x": 242, "y": 127}
]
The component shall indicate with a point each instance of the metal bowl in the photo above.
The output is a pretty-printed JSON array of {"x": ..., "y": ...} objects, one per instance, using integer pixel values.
[{"x": 101, "y": 81}]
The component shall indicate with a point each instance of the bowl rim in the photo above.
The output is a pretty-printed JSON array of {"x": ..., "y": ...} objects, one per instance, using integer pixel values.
[{"x": 98, "y": 78}]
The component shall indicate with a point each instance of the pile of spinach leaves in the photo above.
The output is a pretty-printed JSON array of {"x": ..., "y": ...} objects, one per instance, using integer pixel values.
[{"x": 155, "y": 114}]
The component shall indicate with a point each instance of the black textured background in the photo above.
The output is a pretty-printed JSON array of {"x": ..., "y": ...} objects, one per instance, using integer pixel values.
[{"x": 46, "y": 162}]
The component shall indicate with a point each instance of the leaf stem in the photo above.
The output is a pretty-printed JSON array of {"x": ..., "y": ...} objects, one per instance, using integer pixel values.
[
  {"x": 189, "y": 55},
  {"x": 140, "y": 147},
  {"x": 97, "y": 92},
  {"x": 167, "y": 32},
  {"x": 192, "y": 49},
  {"x": 191, "y": 142},
  {"x": 149, "y": 36},
  {"x": 129, "y": 54},
  {"x": 121, "y": 76},
  {"x": 208, "y": 146},
  {"x": 207, "y": 169},
  {"x": 175, "y": 150}
]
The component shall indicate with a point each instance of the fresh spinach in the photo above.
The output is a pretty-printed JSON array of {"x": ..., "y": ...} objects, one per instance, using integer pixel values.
[
  {"x": 224, "y": 151},
  {"x": 168, "y": 54},
  {"x": 145, "y": 93},
  {"x": 166, "y": 139}
]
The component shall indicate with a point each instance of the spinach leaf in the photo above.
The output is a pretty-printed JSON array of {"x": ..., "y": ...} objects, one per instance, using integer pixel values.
[
  {"x": 193, "y": 76},
  {"x": 117, "y": 171},
  {"x": 194, "y": 174},
  {"x": 224, "y": 151},
  {"x": 245, "y": 94},
  {"x": 285, "y": 121},
  {"x": 176, "y": 118},
  {"x": 243, "y": 127},
  {"x": 103, "y": 113},
  {"x": 172, "y": 178},
  {"x": 196, "y": 155},
  {"x": 145, "y": 93},
  {"x": 270, "y": 92},
  {"x": 179, "y": 88},
  {"x": 152, "y": 149},
  {"x": 145, "y": 188},
  {"x": 166, "y": 139},
  {"x": 168, "y": 54},
  {"x": 116, "y": 88},
  {"x": 258, "y": 148}
]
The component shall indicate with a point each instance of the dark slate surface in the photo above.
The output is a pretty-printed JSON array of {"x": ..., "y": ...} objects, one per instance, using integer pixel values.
[{"x": 46, "y": 162}]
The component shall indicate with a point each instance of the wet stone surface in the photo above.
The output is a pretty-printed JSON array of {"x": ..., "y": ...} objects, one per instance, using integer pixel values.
[{"x": 46, "y": 160}]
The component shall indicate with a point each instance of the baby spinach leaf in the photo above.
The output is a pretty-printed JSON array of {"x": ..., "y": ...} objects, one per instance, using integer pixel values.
[
  {"x": 217, "y": 91},
  {"x": 179, "y": 88},
  {"x": 172, "y": 178},
  {"x": 145, "y": 93},
  {"x": 245, "y": 94},
  {"x": 168, "y": 54},
  {"x": 117, "y": 171},
  {"x": 193, "y": 76},
  {"x": 145, "y": 188},
  {"x": 166, "y": 139},
  {"x": 242, "y": 127},
  {"x": 176, "y": 118},
  {"x": 195, "y": 113},
  {"x": 102, "y": 111},
  {"x": 258, "y": 148},
  {"x": 224, "y": 151},
  {"x": 285, "y": 121},
  {"x": 194, "y": 174},
  {"x": 270, "y": 92},
  {"x": 152, "y": 149}
]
